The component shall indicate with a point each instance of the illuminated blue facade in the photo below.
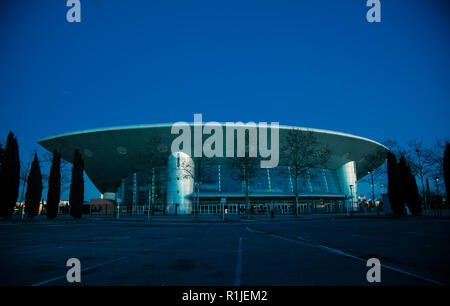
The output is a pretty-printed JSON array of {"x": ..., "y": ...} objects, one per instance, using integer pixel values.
[
  {"x": 273, "y": 186},
  {"x": 135, "y": 167}
]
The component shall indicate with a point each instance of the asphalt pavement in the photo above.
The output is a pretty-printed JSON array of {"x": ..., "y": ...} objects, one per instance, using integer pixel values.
[{"x": 328, "y": 251}]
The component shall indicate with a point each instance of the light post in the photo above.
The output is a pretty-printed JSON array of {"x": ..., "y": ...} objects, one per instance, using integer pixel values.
[
  {"x": 373, "y": 188},
  {"x": 351, "y": 199},
  {"x": 438, "y": 200},
  {"x": 150, "y": 195},
  {"x": 23, "y": 190},
  {"x": 223, "y": 201},
  {"x": 436, "y": 181},
  {"x": 120, "y": 198},
  {"x": 23, "y": 209},
  {"x": 421, "y": 179},
  {"x": 381, "y": 199},
  {"x": 152, "y": 204}
]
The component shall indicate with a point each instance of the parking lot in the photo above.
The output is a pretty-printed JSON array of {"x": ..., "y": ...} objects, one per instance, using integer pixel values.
[{"x": 328, "y": 251}]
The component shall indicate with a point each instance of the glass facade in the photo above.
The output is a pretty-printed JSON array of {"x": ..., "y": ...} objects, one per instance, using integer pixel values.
[
  {"x": 229, "y": 181},
  {"x": 210, "y": 178},
  {"x": 150, "y": 186},
  {"x": 145, "y": 187},
  {"x": 280, "y": 182}
]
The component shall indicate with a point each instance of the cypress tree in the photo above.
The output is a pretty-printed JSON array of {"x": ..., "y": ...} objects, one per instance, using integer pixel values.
[
  {"x": 447, "y": 169},
  {"x": 403, "y": 170},
  {"x": 76, "y": 196},
  {"x": 1, "y": 157},
  {"x": 395, "y": 186},
  {"x": 34, "y": 189},
  {"x": 1, "y": 163},
  {"x": 415, "y": 201},
  {"x": 54, "y": 186},
  {"x": 430, "y": 199},
  {"x": 410, "y": 190},
  {"x": 9, "y": 176}
]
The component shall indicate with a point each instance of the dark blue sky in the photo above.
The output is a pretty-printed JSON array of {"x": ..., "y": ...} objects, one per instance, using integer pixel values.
[{"x": 315, "y": 64}]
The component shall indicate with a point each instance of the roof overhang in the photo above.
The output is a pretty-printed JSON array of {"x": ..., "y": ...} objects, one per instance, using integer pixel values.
[{"x": 111, "y": 154}]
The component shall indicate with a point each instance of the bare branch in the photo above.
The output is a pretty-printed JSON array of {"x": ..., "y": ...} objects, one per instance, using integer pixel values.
[{"x": 302, "y": 151}]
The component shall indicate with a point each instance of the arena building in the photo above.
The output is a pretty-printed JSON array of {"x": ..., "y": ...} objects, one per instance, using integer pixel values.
[{"x": 136, "y": 167}]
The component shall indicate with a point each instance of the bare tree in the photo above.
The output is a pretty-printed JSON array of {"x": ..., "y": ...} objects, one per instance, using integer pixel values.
[
  {"x": 424, "y": 162},
  {"x": 303, "y": 151},
  {"x": 420, "y": 166},
  {"x": 198, "y": 172},
  {"x": 24, "y": 169},
  {"x": 243, "y": 169},
  {"x": 46, "y": 159},
  {"x": 149, "y": 158},
  {"x": 396, "y": 149},
  {"x": 376, "y": 174},
  {"x": 434, "y": 157}
]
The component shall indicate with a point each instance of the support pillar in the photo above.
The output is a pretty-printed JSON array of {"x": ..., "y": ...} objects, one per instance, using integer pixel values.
[{"x": 347, "y": 180}]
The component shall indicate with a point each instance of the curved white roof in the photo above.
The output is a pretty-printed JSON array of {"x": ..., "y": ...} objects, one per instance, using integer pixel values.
[{"x": 111, "y": 154}]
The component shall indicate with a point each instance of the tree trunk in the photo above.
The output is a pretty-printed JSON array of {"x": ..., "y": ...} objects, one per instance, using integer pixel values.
[
  {"x": 247, "y": 199},
  {"x": 296, "y": 195},
  {"x": 198, "y": 200},
  {"x": 373, "y": 191},
  {"x": 149, "y": 201}
]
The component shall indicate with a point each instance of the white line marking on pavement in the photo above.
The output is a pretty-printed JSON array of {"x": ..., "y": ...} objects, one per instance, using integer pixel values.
[
  {"x": 105, "y": 263},
  {"x": 254, "y": 231},
  {"x": 237, "y": 279},
  {"x": 307, "y": 242}
]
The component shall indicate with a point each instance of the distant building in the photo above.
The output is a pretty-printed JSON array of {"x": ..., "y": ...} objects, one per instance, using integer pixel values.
[{"x": 101, "y": 207}]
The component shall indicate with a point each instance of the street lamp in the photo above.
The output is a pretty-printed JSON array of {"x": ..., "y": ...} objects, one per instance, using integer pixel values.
[
  {"x": 373, "y": 187},
  {"x": 351, "y": 199},
  {"x": 421, "y": 179},
  {"x": 438, "y": 200},
  {"x": 436, "y": 180}
]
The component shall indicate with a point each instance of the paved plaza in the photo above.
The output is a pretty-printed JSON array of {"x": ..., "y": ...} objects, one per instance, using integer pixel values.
[{"x": 314, "y": 251}]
